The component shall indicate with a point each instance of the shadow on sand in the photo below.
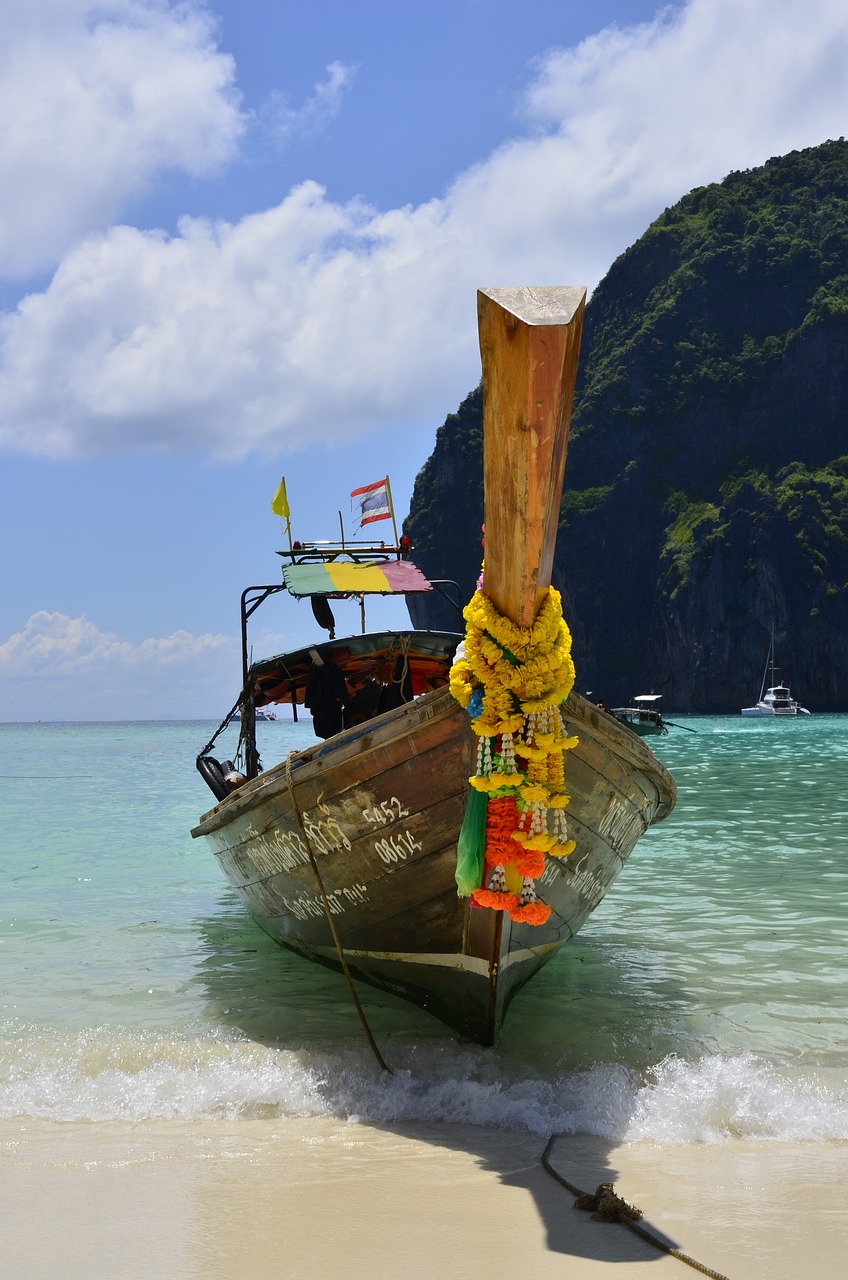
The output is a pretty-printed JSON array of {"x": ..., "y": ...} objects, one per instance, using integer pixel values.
[{"x": 497, "y": 1105}]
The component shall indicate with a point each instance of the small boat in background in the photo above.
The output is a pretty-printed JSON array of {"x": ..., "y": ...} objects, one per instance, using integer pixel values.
[
  {"x": 262, "y": 713},
  {"x": 776, "y": 700},
  {"x": 645, "y": 717}
]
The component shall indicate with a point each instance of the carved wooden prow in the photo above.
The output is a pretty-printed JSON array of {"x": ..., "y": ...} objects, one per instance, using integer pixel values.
[{"x": 529, "y": 344}]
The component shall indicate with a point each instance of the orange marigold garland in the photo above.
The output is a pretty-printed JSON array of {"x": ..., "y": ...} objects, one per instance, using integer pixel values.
[
  {"x": 501, "y": 821},
  {"x": 497, "y": 899},
  {"x": 513, "y": 680}
]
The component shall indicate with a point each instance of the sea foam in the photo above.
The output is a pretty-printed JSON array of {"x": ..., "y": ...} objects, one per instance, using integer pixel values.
[{"x": 102, "y": 1076}]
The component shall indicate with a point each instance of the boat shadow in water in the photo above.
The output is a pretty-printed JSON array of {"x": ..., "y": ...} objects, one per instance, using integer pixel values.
[
  {"x": 588, "y": 1006},
  {"x": 573, "y": 1055}
]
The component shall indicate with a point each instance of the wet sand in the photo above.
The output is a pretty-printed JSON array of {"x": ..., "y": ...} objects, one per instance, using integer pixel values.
[{"x": 315, "y": 1199}]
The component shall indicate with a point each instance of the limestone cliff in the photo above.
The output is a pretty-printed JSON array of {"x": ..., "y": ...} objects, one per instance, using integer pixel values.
[{"x": 707, "y": 476}]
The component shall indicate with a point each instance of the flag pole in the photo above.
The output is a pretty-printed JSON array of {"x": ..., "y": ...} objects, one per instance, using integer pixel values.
[
  {"x": 280, "y": 507},
  {"x": 392, "y": 510}
]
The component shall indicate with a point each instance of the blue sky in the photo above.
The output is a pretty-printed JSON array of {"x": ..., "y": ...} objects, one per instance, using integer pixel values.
[{"x": 243, "y": 239}]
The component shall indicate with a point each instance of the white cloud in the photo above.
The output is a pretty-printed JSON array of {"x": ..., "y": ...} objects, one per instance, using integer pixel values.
[
  {"x": 57, "y": 661},
  {"x": 97, "y": 97},
  {"x": 313, "y": 116},
  {"x": 701, "y": 90},
  {"x": 305, "y": 319},
  {"x": 315, "y": 321}
]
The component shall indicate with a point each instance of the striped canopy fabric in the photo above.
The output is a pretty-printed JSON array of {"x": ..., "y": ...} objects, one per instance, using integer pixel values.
[{"x": 344, "y": 577}]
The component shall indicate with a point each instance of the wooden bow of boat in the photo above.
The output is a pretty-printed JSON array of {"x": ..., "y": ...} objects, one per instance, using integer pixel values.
[{"x": 529, "y": 346}]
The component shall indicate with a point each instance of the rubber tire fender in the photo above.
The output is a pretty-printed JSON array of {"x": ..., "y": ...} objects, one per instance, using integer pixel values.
[{"x": 212, "y": 774}]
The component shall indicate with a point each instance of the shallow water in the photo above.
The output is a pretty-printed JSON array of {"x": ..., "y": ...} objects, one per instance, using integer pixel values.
[{"x": 705, "y": 999}]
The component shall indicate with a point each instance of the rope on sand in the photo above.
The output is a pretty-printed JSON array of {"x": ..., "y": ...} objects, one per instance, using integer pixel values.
[{"x": 606, "y": 1206}]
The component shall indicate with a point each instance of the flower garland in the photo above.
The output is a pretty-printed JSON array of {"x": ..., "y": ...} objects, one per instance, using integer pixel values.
[{"x": 512, "y": 680}]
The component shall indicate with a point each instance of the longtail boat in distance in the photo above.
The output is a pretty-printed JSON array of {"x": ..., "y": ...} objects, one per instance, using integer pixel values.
[
  {"x": 644, "y": 717},
  {"x": 461, "y": 813}
]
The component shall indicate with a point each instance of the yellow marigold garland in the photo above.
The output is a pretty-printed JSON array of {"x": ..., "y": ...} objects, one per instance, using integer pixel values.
[{"x": 514, "y": 680}]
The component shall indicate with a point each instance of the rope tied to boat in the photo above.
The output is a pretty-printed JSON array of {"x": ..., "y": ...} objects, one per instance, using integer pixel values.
[
  {"x": 330, "y": 921},
  {"x": 399, "y": 648},
  {"x": 221, "y": 727},
  {"x": 606, "y": 1206}
]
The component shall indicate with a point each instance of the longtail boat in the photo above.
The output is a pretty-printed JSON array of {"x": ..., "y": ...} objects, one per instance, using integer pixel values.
[{"x": 347, "y": 852}]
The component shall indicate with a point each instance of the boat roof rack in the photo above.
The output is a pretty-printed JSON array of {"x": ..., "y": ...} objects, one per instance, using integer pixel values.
[{"x": 356, "y": 549}]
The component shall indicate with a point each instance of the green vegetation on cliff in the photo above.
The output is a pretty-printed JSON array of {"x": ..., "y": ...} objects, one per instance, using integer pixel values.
[{"x": 707, "y": 482}]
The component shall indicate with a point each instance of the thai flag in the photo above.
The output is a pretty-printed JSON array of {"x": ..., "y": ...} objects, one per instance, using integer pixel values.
[{"x": 372, "y": 502}]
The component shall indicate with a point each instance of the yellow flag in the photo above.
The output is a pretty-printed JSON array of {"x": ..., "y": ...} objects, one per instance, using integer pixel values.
[{"x": 279, "y": 502}]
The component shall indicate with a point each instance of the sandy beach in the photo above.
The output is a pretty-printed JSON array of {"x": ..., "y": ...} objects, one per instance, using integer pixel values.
[{"x": 319, "y": 1198}]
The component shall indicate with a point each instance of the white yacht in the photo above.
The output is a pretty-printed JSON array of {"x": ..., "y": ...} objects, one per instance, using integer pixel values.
[
  {"x": 262, "y": 713},
  {"x": 776, "y": 700}
]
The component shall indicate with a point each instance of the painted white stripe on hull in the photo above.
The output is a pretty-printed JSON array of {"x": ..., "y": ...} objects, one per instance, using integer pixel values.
[{"x": 448, "y": 960}]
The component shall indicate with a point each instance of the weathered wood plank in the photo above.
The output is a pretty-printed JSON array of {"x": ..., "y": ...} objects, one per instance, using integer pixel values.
[{"x": 529, "y": 345}]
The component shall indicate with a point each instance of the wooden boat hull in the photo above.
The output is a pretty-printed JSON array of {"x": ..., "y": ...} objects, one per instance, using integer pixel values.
[{"x": 381, "y": 806}]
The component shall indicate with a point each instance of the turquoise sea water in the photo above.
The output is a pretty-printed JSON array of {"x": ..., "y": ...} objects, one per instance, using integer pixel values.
[{"x": 705, "y": 999}]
